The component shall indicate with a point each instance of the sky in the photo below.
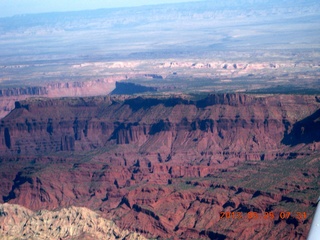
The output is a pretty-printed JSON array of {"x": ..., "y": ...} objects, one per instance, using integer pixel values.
[{"x": 16, "y": 7}]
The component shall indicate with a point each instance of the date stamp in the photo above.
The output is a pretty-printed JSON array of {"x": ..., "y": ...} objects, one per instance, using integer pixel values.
[{"x": 263, "y": 215}]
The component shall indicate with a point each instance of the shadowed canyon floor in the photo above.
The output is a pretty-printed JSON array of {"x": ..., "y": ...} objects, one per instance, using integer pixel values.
[{"x": 169, "y": 167}]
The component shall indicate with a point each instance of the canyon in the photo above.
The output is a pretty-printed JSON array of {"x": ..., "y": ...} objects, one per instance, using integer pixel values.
[
  {"x": 192, "y": 120},
  {"x": 166, "y": 167},
  {"x": 8, "y": 95},
  {"x": 166, "y": 77}
]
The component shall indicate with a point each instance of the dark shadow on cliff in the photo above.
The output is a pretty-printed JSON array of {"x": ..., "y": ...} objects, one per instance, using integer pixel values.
[
  {"x": 146, "y": 103},
  {"x": 305, "y": 131},
  {"x": 17, "y": 182},
  {"x": 231, "y": 99},
  {"x": 129, "y": 88}
]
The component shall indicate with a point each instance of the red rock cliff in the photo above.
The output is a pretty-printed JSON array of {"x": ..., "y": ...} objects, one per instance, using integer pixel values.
[{"x": 228, "y": 126}]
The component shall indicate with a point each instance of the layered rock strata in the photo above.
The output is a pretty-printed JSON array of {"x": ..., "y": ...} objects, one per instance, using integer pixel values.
[
  {"x": 167, "y": 167},
  {"x": 17, "y": 222},
  {"x": 220, "y": 128}
]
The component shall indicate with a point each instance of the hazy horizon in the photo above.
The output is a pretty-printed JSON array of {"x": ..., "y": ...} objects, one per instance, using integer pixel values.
[{"x": 11, "y": 8}]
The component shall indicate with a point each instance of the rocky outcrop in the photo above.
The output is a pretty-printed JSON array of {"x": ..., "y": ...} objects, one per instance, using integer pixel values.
[
  {"x": 66, "y": 223},
  {"x": 122, "y": 189},
  {"x": 230, "y": 127},
  {"x": 56, "y": 89},
  {"x": 15, "y": 91},
  {"x": 167, "y": 167}
]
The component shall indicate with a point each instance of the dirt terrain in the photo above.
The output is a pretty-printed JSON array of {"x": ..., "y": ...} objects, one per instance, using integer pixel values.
[{"x": 169, "y": 167}]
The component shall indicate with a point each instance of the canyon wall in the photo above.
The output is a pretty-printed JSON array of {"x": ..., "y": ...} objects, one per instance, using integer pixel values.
[
  {"x": 168, "y": 167},
  {"x": 57, "y": 89},
  {"x": 217, "y": 128}
]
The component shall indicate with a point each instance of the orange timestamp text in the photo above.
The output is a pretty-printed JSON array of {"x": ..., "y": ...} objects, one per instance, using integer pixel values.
[{"x": 263, "y": 215}]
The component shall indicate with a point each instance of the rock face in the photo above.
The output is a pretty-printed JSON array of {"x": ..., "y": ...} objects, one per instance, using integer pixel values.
[
  {"x": 23, "y": 91},
  {"x": 57, "y": 89},
  {"x": 229, "y": 127},
  {"x": 67, "y": 223},
  {"x": 167, "y": 167}
]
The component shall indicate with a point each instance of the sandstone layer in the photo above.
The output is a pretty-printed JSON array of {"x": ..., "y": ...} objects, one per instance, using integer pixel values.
[
  {"x": 230, "y": 127},
  {"x": 8, "y": 95},
  {"x": 167, "y": 167}
]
